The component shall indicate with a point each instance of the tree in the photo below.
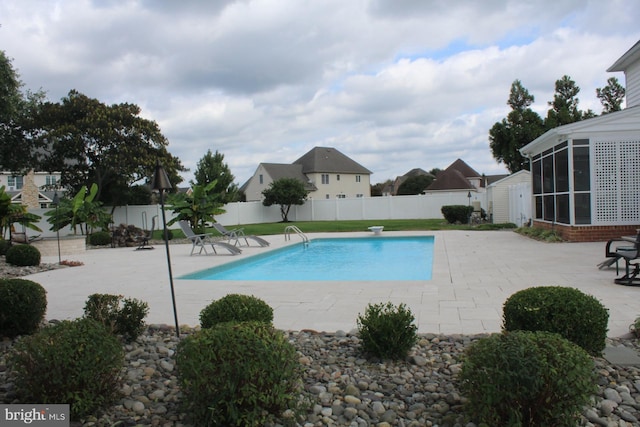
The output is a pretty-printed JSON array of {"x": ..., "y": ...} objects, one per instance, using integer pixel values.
[
  {"x": 564, "y": 107},
  {"x": 81, "y": 211},
  {"x": 611, "y": 96},
  {"x": 212, "y": 168},
  {"x": 285, "y": 192},
  {"x": 112, "y": 146},
  {"x": 17, "y": 152},
  {"x": 415, "y": 184},
  {"x": 198, "y": 207},
  {"x": 521, "y": 126}
]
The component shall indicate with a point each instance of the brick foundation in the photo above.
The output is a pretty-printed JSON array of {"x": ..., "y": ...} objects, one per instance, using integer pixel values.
[{"x": 589, "y": 233}]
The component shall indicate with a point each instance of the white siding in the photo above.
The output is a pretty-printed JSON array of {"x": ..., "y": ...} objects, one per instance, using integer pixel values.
[
  {"x": 498, "y": 196},
  {"x": 632, "y": 77},
  {"x": 346, "y": 186},
  {"x": 255, "y": 188}
]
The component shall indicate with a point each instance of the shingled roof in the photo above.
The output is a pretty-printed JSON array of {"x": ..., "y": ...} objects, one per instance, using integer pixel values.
[
  {"x": 330, "y": 160},
  {"x": 455, "y": 177}
]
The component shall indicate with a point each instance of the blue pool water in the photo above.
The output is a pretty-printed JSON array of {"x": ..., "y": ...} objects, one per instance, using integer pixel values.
[{"x": 365, "y": 258}]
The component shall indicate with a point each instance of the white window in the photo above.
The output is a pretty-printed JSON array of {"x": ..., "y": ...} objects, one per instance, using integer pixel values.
[
  {"x": 15, "y": 182},
  {"x": 261, "y": 179},
  {"x": 357, "y": 178},
  {"x": 337, "y": 177},
  {"x": 326, "y": 196},
  {"x": 341, "y": 196},
  {"x": 325, "y": 178},
  {"x": 51, "y": 180}
]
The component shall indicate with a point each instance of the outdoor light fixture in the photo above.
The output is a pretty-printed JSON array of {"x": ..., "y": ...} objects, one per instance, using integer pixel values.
[
  {"x": 56, "y": 202},
  {"x": 161, "y": 183},
  {"x": 469, "y": 197}
]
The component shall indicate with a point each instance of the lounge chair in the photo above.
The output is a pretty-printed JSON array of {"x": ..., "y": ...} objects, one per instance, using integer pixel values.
[
  {"x": 631, "y": 258},
  {"x": 238, "y": 234},
  {"x": 202, "y": 240}
]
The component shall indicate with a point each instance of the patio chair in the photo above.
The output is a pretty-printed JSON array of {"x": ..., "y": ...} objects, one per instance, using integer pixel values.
[
  {"x": 631, "y": 258},
  {"x": 143, "y": 241},
  {"x": 613, "y": 251},
  {"x": 237, "y": 234},
  {"x": 202, "y": 240}
]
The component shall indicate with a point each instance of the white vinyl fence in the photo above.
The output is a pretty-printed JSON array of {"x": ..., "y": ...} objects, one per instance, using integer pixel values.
[{"x": 365, "y": 208}]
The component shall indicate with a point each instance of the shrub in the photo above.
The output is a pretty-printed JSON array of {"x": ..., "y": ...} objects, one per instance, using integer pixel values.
[
  {"x": 456, "y": 213},
  {"x": 76, "y": 362},
  {"x": 236, "y": 308},
  {"x": 387, "y": 331},
  {"x": 23, "y": 255},
  {"x": 4, "y": 246},
  {"x": 526, "y": 378},
  {"x": 22, "y": 307},
  {"x": 126, "y": 320},
  {"x": 100, "y": 238},
  {"x": 578, "y": 317},
  {"x": 220, "y": 391}
]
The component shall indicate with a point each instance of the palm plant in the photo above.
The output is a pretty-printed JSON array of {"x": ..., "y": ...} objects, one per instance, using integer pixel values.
[
  {"x": 82, "y": 211},
  {"x": 11, "y": 213},
  {"x": 199, "y": 207}
]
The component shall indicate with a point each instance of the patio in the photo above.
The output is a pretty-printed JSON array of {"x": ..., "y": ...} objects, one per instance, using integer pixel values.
[{"x": 474, "y": 272}]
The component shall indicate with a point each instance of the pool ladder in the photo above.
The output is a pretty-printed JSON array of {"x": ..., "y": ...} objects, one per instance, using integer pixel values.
[{"x": 292, "y": 228}]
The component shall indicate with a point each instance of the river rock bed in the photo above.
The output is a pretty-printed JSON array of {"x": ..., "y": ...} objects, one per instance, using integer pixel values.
[{"x": 341, "y": 388}]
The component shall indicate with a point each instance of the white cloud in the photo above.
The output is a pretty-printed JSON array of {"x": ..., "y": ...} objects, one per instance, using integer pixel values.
[{"x": 394, "y": 84}]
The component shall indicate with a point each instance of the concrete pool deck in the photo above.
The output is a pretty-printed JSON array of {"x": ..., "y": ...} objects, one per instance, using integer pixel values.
[{"x": 474, "y": 272}]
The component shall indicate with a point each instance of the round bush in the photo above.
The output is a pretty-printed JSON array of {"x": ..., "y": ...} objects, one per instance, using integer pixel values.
[
  {"x": 23, "y": 304},
  {"x": 100, "y": 238},
  {"x": 387, "y": 331},
  {"x": 23, "y": 255},
  {"x": 220, "y": 391},
  {"x": 526, "y": 378},
  {"x": 236, "y": 308},
  {"x": 4, "y": 246},
  {"x": 76, "y": 362},
  {"x": 578, "y": 317},
  {"x": 126, "y": 320}
]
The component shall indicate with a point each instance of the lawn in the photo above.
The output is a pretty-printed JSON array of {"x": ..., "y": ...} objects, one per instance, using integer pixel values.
[{"x": 265, "y": 229}]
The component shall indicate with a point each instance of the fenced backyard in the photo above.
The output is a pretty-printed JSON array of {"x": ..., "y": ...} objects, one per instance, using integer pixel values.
[{"x": 366, "y": 208}]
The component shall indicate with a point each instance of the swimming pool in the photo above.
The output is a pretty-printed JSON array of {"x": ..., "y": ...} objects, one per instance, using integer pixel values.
[{"x": 346, "y": 259}]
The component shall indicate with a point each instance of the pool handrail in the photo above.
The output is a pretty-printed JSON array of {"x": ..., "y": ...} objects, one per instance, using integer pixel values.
[{"x": 292, "y": 228}]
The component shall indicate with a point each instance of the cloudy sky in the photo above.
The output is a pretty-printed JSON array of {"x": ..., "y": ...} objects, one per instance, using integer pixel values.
[{"x": 393, "y": 84}]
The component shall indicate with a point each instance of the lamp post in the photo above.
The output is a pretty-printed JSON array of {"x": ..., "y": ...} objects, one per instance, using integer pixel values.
[
  {"x": 161, "y": 183},
  {"x": 56, "y": 202},
  {"x": 469, "y": 197}
]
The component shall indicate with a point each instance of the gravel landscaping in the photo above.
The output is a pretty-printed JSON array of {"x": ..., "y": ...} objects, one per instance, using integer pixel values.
[{"x": 340, "y": 386}]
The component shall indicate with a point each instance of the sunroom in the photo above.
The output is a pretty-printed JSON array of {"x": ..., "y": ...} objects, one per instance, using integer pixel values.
[{"x": 586, "y": 177}]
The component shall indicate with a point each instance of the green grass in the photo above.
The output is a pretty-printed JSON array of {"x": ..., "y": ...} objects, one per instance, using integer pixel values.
[{"x": 266, "y": 229}]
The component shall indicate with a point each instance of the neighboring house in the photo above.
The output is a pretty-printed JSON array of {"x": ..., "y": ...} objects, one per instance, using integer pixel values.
[
  {"x": 509, "y": 198},
  {"x": 392, "y": 188},
  {"x": 586, "y": 175},
  {"x": 326, "y": 172},
  {"x": 458, "y": 176},
  {"x": 35, "y": 189}
]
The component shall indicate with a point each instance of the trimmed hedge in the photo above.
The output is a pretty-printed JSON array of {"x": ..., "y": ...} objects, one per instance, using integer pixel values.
[
  {"x": 457, "y": 213},
  {"x": 527, "y": 379},
  {"x": 578, "y": 317}
]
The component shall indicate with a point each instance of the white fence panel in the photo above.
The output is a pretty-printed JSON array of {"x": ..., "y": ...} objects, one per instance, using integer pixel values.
[{"x": 366, "y": 208}]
